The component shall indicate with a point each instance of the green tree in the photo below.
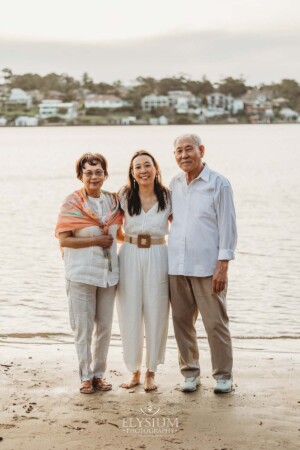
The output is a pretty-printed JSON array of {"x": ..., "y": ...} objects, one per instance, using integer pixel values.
[
  {"x": 290, "y": 90},
  {"x": 87, "y": 82},
  {"x": 52, "y": 82},
  {"x": 105, "y": 88},
  {"x": 69, "y": 86},
  {"x": 200, "y": 88},
  {"x": 62, "y": 83},
  {"x": 233, "y": 86},
  {"x": 145, "y": 86},
  {"x": 27, "y": 81},
  {"x": 7, "y": 75},
  {"x": 170, "y": 84},
  {"x": 117, "y": 84}
]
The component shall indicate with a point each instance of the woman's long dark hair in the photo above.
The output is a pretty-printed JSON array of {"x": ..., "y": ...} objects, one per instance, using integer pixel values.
[{"x": 132, "y": 189}]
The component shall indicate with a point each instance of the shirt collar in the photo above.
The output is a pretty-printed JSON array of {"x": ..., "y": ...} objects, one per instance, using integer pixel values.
[{"x": 204, "y": 174}]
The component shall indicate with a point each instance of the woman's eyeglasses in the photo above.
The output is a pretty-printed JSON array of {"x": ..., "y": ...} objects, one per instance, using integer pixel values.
[{"x": 97, "y": 173}]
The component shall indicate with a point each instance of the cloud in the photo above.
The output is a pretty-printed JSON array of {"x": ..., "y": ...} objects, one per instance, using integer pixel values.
[{"x": 260, "y": 57}]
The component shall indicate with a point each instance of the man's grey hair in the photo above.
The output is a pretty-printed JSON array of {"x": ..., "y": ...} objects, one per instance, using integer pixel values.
[{"x": 194, "y": 137}]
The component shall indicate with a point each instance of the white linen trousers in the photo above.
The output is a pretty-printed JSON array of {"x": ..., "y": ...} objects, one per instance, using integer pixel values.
[
  {"x": 143, "y": 297},
  {"x": 91, "y": 314},
  {"x": 91, "y": 289}
]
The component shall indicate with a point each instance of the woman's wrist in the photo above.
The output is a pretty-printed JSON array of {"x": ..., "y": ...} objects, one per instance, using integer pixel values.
[{"x": 94, "y": 241}]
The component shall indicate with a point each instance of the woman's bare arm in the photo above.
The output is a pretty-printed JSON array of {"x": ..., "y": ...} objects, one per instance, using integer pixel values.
[{"x": 66, "y": 239}]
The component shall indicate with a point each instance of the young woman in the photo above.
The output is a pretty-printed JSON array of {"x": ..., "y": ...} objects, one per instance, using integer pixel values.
[{"x": 143, "y": 299}]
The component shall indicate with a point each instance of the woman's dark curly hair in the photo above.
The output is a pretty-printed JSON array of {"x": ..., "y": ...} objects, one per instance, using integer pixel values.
[{"x": 132, "y": 188}]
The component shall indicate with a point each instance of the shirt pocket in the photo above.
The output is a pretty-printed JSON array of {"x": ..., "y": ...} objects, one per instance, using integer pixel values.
[{"x": 204, "y": 207}]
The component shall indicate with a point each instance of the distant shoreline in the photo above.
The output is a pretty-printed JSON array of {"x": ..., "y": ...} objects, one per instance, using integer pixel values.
[{"x": 146, "y": 125}]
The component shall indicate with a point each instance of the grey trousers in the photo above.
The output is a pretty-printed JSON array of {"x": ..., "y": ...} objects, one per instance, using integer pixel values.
[
  {"x": 189, "y": 295},
  {"x": 91, "y": 314}
]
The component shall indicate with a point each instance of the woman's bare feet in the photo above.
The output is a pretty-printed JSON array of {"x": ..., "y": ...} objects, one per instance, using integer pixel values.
[
  {"x": 135, "y": 380},
  {"x": 149, "y": 383}
]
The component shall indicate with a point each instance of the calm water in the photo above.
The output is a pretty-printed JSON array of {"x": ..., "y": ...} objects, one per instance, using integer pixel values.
[{"x": 262, "y": 163}]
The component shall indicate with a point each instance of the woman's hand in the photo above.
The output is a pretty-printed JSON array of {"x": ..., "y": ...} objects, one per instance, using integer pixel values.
[{"x": 104, "y": 241}]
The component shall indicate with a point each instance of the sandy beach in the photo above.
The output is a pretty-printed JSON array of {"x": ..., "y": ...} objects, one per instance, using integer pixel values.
[{"x": 41, "y": 406}]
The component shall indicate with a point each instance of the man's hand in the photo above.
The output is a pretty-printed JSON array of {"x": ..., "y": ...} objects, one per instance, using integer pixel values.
[{"x": 220, "y": 277}]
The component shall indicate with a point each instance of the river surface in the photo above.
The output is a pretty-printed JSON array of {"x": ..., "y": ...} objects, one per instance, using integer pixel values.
[{"x": 261, "y": 161}]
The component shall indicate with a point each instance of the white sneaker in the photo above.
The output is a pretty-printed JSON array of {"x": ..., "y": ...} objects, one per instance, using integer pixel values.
[
  {"x": 223, "y": 386},
  {"x": 190, "y": 384}
]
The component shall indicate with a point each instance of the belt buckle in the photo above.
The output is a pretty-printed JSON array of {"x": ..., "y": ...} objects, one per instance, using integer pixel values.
[{"x": 143, "y": 241}]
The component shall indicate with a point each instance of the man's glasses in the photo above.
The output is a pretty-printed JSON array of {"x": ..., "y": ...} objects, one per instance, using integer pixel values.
[{"x": 97, "y": 173}]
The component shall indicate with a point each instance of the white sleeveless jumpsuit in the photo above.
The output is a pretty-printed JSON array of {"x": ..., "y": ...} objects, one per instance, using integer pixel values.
[{"x": 143, "y": 294}]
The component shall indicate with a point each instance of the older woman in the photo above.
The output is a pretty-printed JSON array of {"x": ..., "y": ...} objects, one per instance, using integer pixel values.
[
  {"x": 86, "y": 228},
  {"x": 143, "y": 300}
]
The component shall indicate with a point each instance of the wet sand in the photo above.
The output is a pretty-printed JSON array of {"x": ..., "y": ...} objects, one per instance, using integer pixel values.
[{"x": 41, "y": 407}]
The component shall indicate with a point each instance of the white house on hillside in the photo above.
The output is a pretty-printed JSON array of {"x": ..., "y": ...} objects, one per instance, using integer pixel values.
[
  {"x": 55, "y": 95},
  {"x": 128, "y": 120},
  {"x": 237, "y": 105},
  {"x": 218, "y": 102},
  {"x": 279, "y": 101},
  {"x": 182, "y": 105},
  {"x": 288, "y": 114},
  {"x": 56, "y": 108},
  {"x": 212, "y": 112},
  {"x": 26, "y": 121},
  {"x": 162, "y": 120},
  {"x": 175, "y": 95},
  {"x": 153, "y": 101},
  {"x": 184, "y": 102},
  {"x": 104, "y": 101},
  {"x": 20, "y": 97},
  {"x": 255, "y": 97}
]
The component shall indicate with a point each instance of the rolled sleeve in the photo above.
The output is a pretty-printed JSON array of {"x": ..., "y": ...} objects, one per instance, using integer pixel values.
[{"x": 226, "y": 254}]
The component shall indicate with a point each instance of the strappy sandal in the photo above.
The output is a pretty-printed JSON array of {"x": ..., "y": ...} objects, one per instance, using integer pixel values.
[
  {"x": 101, "y": 385},
  {"x": 87, "y": 387}
]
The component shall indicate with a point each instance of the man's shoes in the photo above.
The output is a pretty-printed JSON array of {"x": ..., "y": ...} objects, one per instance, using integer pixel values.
[
  {"x": 190, "y": 384},
  {"x": 223, "y": 386}
]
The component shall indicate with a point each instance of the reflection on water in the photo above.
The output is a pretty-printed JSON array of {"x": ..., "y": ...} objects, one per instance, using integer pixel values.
[{"x": 261, "y": 162}]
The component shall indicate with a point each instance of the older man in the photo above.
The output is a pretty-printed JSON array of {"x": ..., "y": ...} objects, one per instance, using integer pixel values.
[{"x": 202, "y": 241}]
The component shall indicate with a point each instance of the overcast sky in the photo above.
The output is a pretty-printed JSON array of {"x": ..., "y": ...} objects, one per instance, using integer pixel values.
[{"x": 122, "y": 39}]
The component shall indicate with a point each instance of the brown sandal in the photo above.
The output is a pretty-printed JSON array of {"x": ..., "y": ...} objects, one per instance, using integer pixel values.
[
  {"x": 101, "y": 385},
  {"x": 87, "y": 387}
]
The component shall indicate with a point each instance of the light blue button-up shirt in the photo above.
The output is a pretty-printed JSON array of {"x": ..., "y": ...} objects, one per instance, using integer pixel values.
[{"x": 203, "y": 230}]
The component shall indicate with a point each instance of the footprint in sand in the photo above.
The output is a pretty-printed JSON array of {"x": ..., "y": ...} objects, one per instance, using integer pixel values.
[{"x": 6, "y": 426}]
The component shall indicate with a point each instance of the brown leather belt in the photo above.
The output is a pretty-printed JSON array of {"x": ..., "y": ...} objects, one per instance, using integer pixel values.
[{"x": 144, "y": 240}]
